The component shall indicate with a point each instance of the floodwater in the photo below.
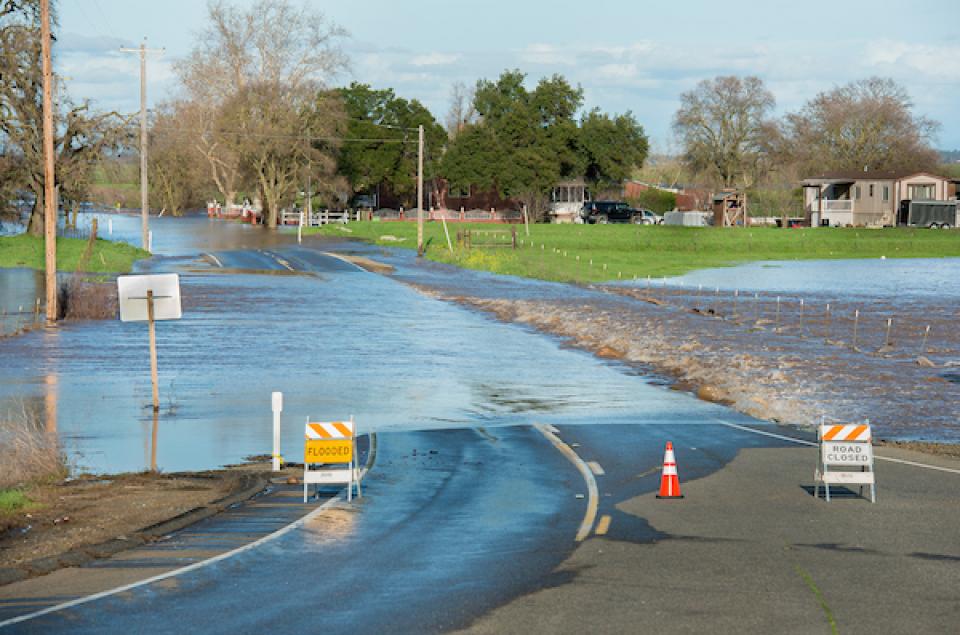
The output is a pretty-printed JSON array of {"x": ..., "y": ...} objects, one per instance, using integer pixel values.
[
  {"x": 937, "y": 278},
  {"x": 338, "y": 342}
]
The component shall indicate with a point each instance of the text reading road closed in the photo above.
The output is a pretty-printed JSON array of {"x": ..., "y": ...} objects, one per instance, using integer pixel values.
[
  {"x": 847, "y": 453},
  {"x": 328, "y": 451}
]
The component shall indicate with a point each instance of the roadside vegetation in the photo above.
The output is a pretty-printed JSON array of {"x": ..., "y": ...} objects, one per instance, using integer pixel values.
[
  {"x": 26, "y": 250},
  {"x": 29, "y": 455},
  {"x": 565, "y": 252}
]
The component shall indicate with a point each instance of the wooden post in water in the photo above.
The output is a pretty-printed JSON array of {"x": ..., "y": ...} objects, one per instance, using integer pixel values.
[
  {"x": 923, "y": 346},
  {"x": 153, "y": 351},
  {"x": 856, "y": 323},
  {"x": 886, "y": 341}
]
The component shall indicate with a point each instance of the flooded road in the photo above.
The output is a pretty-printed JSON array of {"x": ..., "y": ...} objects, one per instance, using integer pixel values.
[
  {"x": 337, "y": 340},
  {"x": 263, "y": 314}
]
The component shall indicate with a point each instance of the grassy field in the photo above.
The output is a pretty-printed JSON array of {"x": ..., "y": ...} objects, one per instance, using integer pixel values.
[
  {"x": 107, "y": 256},
  {"x": 591, "y": 253}
]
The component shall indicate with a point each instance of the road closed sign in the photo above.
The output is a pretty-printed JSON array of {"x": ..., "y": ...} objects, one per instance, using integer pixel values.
[
  {"x": 328, "y": 451},
  {"x": 846, "y": 457},
  {"x": 846, "y": 453}
]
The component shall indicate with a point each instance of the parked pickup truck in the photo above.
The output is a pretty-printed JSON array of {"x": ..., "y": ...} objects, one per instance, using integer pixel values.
[{"x": 617, "y": 212}]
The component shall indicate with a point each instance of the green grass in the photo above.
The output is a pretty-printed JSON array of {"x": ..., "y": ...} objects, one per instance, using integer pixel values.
[
  {"x": 551, "y": 251},
  {"x": 107, "y": 256},
  {"x": 13, "y": 500}
]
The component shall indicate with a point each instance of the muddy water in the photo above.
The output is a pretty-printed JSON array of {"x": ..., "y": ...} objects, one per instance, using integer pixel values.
[{"x": 845, "y": 340}]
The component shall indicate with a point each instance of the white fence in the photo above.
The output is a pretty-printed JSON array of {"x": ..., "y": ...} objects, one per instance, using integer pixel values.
[{"x": 320, "y": 217}]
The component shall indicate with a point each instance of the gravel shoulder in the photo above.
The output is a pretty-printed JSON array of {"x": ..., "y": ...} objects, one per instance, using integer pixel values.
[{"x": 77, "y": 520}]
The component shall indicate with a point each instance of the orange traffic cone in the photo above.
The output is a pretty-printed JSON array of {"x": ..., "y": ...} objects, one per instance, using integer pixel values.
[{"x": 669, "y": 481}]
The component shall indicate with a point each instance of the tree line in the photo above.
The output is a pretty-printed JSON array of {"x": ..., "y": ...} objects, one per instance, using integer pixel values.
[{"x": 256, "y": 115}]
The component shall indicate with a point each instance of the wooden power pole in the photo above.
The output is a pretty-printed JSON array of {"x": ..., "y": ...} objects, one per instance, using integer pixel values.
[
  {"x": 49, "y": 197},
  {"x": 144, "y": 198},
  {"x": 420, "y": 191}
]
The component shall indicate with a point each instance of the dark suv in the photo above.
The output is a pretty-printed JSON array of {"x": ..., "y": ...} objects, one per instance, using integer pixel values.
[{"x": 609, "y": 212}]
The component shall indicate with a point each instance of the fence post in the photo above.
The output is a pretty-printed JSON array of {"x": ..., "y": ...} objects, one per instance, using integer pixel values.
[
  {"x": 856, "y": 323},
  {"x": 923, "y": 346}
]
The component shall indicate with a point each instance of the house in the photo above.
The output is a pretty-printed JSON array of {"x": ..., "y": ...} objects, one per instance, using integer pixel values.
[
  {"x": 870, "y": 198},
  {"x": 567, "y": 199}
]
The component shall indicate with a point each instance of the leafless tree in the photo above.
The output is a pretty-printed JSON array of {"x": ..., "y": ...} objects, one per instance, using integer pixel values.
[
  {"x": 175, "y": 170},
  {"x": 81, "y": 135},
  {"x": 272, "y": 43},
  {"x": 724, "y": 128},
  {"x": 868, "y": 123},
  {"x": 280, "y": 134},
  {"x": 462, "y": 112}
]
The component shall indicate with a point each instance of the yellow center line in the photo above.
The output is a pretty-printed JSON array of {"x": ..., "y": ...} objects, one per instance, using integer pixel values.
[
  {"x": 593, "y": 495},
  {"x": 603, "y": 526},
  {"x": 596, "y": 468}
]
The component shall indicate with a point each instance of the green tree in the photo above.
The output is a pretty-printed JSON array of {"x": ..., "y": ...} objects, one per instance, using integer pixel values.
[
  {"x": 613, "y": 147},
  {"x": 523, "y": 142},
  {"x": 383, "y": 146}
]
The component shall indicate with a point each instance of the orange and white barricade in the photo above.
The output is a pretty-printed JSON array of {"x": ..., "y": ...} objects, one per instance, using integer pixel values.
[
  {"x": 845, "y": 457},
  {"x": 328, "y": 444}
]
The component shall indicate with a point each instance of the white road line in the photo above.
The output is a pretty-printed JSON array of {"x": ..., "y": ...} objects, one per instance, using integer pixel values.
[
  {"x": 192, "y": 567},
  {"x": 596, "y": 468},
  {"x": 342, "y": 259},
  {"x": 215, "y": 260},
  {"x": 593, "y": 498},
  {"x": 889, "y": 459}
]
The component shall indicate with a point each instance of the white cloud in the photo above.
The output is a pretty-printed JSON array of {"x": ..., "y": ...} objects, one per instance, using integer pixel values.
[
  {"x": 548, "y": 54},
  {"x": 435, "y": 59},
  {"x": 935, "y": 61}
]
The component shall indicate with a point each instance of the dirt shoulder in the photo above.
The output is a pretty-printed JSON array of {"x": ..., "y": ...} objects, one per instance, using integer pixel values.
[{"x": 73, "y": 521}]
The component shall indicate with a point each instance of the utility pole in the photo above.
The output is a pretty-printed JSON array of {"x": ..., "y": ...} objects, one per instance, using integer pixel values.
[
  {"x": 420, "y": 191},
  {"x": 144, "y": 199},
  {"x": 49, "y": 198}
]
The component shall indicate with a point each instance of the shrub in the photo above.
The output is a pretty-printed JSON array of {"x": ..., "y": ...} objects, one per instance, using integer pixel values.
[
  {"x": 28, "y": 452},
  {"x": 655, "y": 200}
]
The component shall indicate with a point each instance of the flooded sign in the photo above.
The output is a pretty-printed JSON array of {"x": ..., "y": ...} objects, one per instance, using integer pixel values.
[
  {"x": 846, "y": 457},
  {"x": 330, "y": 443},
  {"x": 328, "y": 451}
]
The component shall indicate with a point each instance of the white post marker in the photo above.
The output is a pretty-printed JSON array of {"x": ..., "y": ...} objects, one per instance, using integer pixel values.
[
  {"x": 148, "y": 298},
  {"x": 277, "y": 403},
  {"x": 845, "y": 457},
  {"x": 326, "y": 444}
]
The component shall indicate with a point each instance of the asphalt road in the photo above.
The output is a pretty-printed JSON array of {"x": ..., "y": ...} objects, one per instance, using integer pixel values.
[{"x": 475, "y": 529}]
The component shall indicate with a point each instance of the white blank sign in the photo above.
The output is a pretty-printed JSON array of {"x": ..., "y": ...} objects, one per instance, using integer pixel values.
[{"x": 132, "y": 292}]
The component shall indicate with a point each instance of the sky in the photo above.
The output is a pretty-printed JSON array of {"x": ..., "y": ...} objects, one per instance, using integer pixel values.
[{"x": 626, "y": 55}]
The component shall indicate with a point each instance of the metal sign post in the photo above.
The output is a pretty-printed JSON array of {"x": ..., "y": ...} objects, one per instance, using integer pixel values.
[
  {"x": 149, "y": 298},
  {"x": 845, "y": 457}
]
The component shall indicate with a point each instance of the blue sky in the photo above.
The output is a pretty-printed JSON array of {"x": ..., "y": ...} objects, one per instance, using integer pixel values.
[{"x": 637, "y": 56}]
